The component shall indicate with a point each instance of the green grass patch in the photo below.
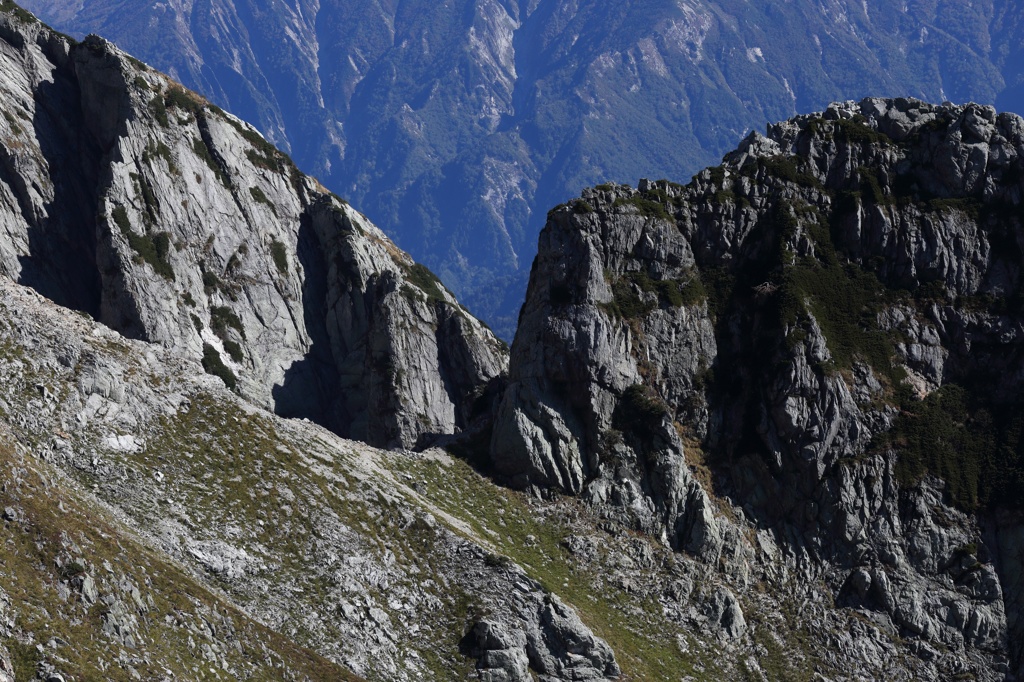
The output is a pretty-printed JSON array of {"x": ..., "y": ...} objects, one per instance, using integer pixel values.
[
  {"x": 279, "y": 254},
  {"x": 630, "y": 303},
  {"x": 960, "y": 435},
  {"x": 159, "y": 110},
  {"x": 211, "y": 282},
  {"x": 152, "y": 249},
  {"x": 13, "y": 122},
  {"x": 639, "y": 409},
  {"x": 856, "y": 130},
  {"x": 120, "y": 216},
  {"x": 845, "y": 300},
  {"x": 786, "y": 168},
  {"x": 626, "y": 302},
  {"x": 782, "y": 654},
  {"x": 22, "y": 15},
  {"x": 234, "y": 350},
  {"x": 647, "y": 207},
  {"x": 203, "y": 152},
  {"x": 260, "y": 198},
  {"x": 232, "y": 465},
  {"x": 969, "y": 206},
  {"x": 422, "y": 278},
  {"x": 183, "y": 100},
  {"x": 643, "y": 641},
  {"x": 149, "y": 199},
  {"x": 25, "y": 659},
  {"x": 159, "y": 150},
  {"x": 222, "y": 319}
]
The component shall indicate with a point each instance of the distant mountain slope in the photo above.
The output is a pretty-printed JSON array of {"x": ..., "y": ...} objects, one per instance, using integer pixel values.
[{"x": 456, "y": 125}]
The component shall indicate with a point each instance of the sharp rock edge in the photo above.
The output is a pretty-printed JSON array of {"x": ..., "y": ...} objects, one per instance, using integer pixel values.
[{"x": 134, "y": 200}]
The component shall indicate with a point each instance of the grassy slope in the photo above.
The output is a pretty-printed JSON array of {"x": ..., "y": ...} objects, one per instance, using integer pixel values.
[
  {"x": 54, "y": 524},
  {"x": 522, "y": 530}
]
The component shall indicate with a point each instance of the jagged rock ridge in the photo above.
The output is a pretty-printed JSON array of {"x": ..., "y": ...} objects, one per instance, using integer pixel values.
[
  {"x": 129, "y": 198},
  {"x": 823, "y": 333}
]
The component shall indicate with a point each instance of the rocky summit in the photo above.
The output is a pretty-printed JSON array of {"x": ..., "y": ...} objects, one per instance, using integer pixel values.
[
  {"x": 803, "y": 369},
  {"x": 763, "y": 426}
]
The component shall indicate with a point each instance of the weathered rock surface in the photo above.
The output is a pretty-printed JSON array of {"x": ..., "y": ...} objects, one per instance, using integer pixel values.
[
  {"x": 554, "y": 643},
  {"x": 124, "y": 462},
  {"x": 124, "y": 196},
  {"x": 782, "y": 342},
  {"x": 456, "y": 126}
]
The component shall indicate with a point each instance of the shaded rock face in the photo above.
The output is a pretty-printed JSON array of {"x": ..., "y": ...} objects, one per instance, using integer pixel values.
[
  {"x": 823, "y": 336},
  {"x": 129, "y": 198}
]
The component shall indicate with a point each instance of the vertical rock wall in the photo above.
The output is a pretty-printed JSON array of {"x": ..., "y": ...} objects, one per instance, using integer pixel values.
[{"x": 174, "y": 222}]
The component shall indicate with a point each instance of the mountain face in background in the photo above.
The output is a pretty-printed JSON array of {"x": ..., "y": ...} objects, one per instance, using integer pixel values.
[{"x": 456, "y": 125}]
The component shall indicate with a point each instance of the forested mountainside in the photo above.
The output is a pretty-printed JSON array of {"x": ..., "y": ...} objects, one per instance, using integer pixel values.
[
  {"x": 761, "y": 426},
  {"x": 455, "y": 126}
]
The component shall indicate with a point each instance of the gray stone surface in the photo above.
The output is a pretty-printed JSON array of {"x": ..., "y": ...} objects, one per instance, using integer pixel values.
[
  {"x": 625, "y": 381},
  {"x": 175, "y": 223},
  {"x": 744, "y": 447}
]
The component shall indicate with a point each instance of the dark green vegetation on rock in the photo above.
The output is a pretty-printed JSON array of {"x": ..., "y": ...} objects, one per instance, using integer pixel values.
[
  {"x": 426, "y": 281},
  {"x": 213, "y": 364},
  {"x": 843, "y": 297},
  {"x": 636, "y": 294},
  {"x": 153, "y": 249},
  {"x": 280, "y": 255},
  {"x": 959, "y": 435}
]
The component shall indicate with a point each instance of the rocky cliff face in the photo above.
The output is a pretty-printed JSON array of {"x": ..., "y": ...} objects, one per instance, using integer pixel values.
[
  {"x": 131, "y": 199},
  {"x": 819, "y": 339}
]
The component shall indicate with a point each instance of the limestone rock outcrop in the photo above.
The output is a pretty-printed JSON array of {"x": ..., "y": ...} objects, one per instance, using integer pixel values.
[
  {"x": 129, "y": 198},
  {"x": 787, "y": 396},
  {"x": 821, "y": 337}
]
